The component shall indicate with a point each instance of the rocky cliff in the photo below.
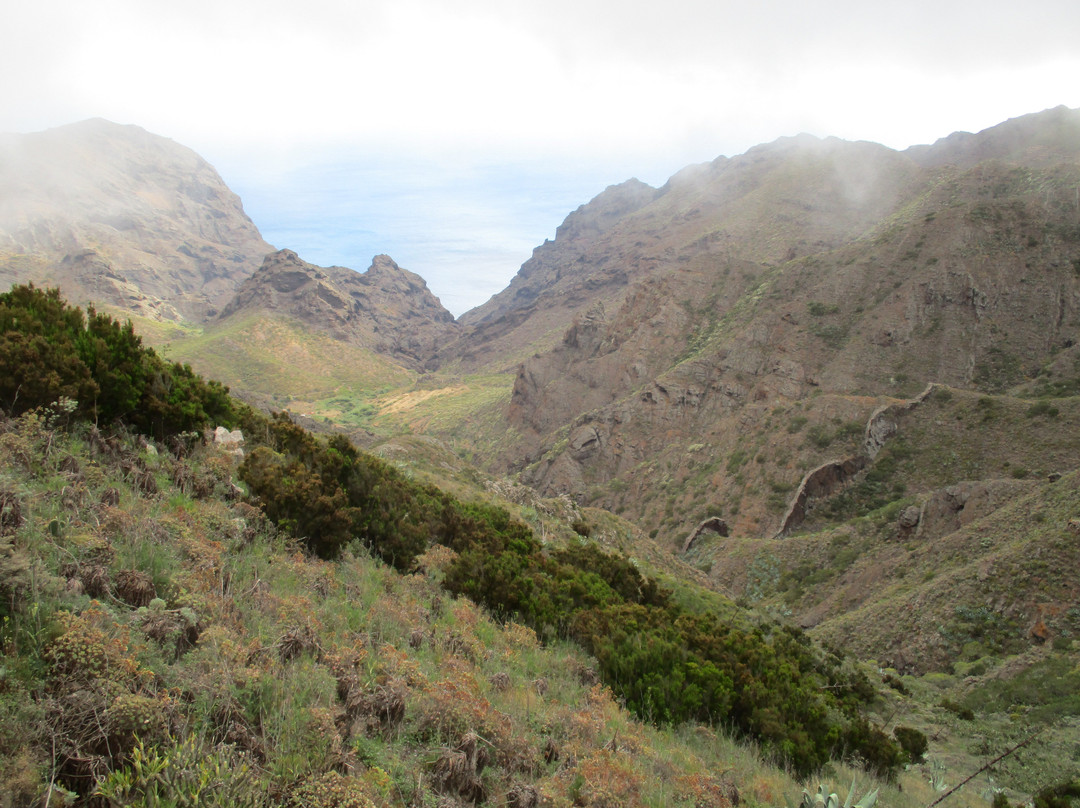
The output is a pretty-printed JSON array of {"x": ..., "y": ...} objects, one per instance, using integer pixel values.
[
  {"x": 387, "y": 309},
  {"x": 119, "y": 216}
]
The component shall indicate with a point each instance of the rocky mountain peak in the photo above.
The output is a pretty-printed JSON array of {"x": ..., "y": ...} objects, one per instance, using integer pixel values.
[{"x": 387, "y": 309}]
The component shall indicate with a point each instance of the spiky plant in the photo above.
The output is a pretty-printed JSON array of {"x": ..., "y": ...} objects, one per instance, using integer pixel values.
[{"x": 823, "y": 800}]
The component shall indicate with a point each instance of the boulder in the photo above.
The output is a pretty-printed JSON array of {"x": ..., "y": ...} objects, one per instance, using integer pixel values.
[
  {"x": 230, "y": 442},
  {"x": 910, "y": 516}
]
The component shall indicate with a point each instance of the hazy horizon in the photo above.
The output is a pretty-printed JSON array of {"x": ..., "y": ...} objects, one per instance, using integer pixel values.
[{"x": 456, "y": 138}]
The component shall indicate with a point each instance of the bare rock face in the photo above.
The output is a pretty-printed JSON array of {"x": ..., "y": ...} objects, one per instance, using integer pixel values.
[
  {"x": 714, "y": 525},
  {"x": 386, "y": 309},
  {"x": 118, "y": 216},
  {"x": 909, "y": 517},
  {"x": 955, "y": 506}
]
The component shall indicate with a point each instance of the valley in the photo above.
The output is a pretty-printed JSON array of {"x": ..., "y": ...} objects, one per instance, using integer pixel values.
[{"x": 863, "y": 363}]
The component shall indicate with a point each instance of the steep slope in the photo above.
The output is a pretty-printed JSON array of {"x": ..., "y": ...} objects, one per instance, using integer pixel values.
[
  {"x": 849, "y": 295},
  {"x": 965, "y": 510},
  {"x": 778, "y": 201},
  {"x": 118, "y": 216}
]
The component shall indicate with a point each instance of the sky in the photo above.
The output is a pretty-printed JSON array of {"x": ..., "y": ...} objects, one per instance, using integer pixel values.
[{"x": 455, "y": 135}]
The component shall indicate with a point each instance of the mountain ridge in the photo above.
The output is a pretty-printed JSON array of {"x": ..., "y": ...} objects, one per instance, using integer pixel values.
[{"x": 386, "y": 309}]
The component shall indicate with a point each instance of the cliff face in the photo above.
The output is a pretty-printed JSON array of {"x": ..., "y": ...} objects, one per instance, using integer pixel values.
[
  {"x": 822, "y": 276},
  {"x": 116, "y": 215},
  {"x": 387, "y": 309}
]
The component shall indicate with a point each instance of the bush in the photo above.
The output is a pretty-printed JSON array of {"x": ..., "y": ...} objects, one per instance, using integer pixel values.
[
  {"x": 961, "y": 712},
  {"x": 1061, "y": 795},
  {"x": 49, "y": 351},
  {"x": 1042, "y": 408},
  {"x": 185, "y": 775},
  {"x": 913, "y": 742}
]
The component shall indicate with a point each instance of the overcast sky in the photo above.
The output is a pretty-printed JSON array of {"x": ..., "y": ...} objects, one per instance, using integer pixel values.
[{"x": 456, "y": 135}]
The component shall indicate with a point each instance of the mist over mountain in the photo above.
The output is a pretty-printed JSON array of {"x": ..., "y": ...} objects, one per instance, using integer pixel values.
[{"x": 121, "y": 217}]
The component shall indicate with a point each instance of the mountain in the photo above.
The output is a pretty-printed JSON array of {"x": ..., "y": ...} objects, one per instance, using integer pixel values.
[
  {"x": 754, "y": 345},
  {"x": 128, "y": 220},
  {"x": 804, "y": 283},
  {"x": 124, "y": 218},
  {"x": 836, "y": 384},
  {"x": 387, "y": 309}
]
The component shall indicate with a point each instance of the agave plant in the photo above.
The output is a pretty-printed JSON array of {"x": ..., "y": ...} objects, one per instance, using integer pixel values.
[{"x": 823, "y": 800}]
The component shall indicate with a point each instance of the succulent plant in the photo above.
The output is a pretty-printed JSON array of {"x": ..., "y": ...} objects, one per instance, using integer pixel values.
[{"x": 824, "y": 800}]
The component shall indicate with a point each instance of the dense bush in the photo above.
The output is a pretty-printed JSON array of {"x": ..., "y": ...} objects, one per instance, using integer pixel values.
[
  {"x": 328, "y": 493},
  {"x": 672, "y": 666},
  {"x": 913, "y": 742},
  {"x": 49, "y": 351},
  {"x": 1060, "y": 795}
]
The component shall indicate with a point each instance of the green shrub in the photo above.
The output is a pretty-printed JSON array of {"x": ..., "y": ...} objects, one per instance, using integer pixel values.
[
  {"x": 913, "y": 742},
  {"x": 187, "y": 774},
  {"x": 1042, "y": 408},
  {"x": 49, "y": 351},
  {"x": 1060, "y": 795},
  {"x": 961, "y": 712},
  {"x": 582, "y": 528}
]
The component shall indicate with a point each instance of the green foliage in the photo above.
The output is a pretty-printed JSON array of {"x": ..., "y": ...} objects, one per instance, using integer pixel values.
[
  {"x": 1057, "y": 388},
  {"x": 1046, "y": 690},
  {"x": 873, "y": 489},
  {"x": 670, "y": 665},
  {"x": 997, "y": 371},
  {"x": 185, "y": 774},
  {"x": 1042, "y": 408},
  {"x": 328, "y": 493},
  {"x": 913, "y": 742},
  {"x": 834, "y": 335},
  {"x": 961, "y": 712},
  {"x": 823, "y": 800},
  {"x": 736, "y": 460},
  {"x": 818, "y": 309},
  {"x": 49, "y": 351},
  {"x": 880, "y": 754},
  {"x": 990, "y": 627},
  {"x": 330, "y": 790},
  {"x": 1059, "y": 795}
]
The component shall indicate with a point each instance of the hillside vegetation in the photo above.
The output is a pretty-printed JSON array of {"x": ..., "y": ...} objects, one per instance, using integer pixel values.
[
  {"x": 165, "y": 629},
  {"x": 764, "y": 477}
]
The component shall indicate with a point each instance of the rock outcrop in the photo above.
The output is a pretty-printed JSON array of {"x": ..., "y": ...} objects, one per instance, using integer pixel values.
[
  {"x": 387, "y": 309},
  {"x": 714, "y": 525},
  {"x": 830, "y": 477}
]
